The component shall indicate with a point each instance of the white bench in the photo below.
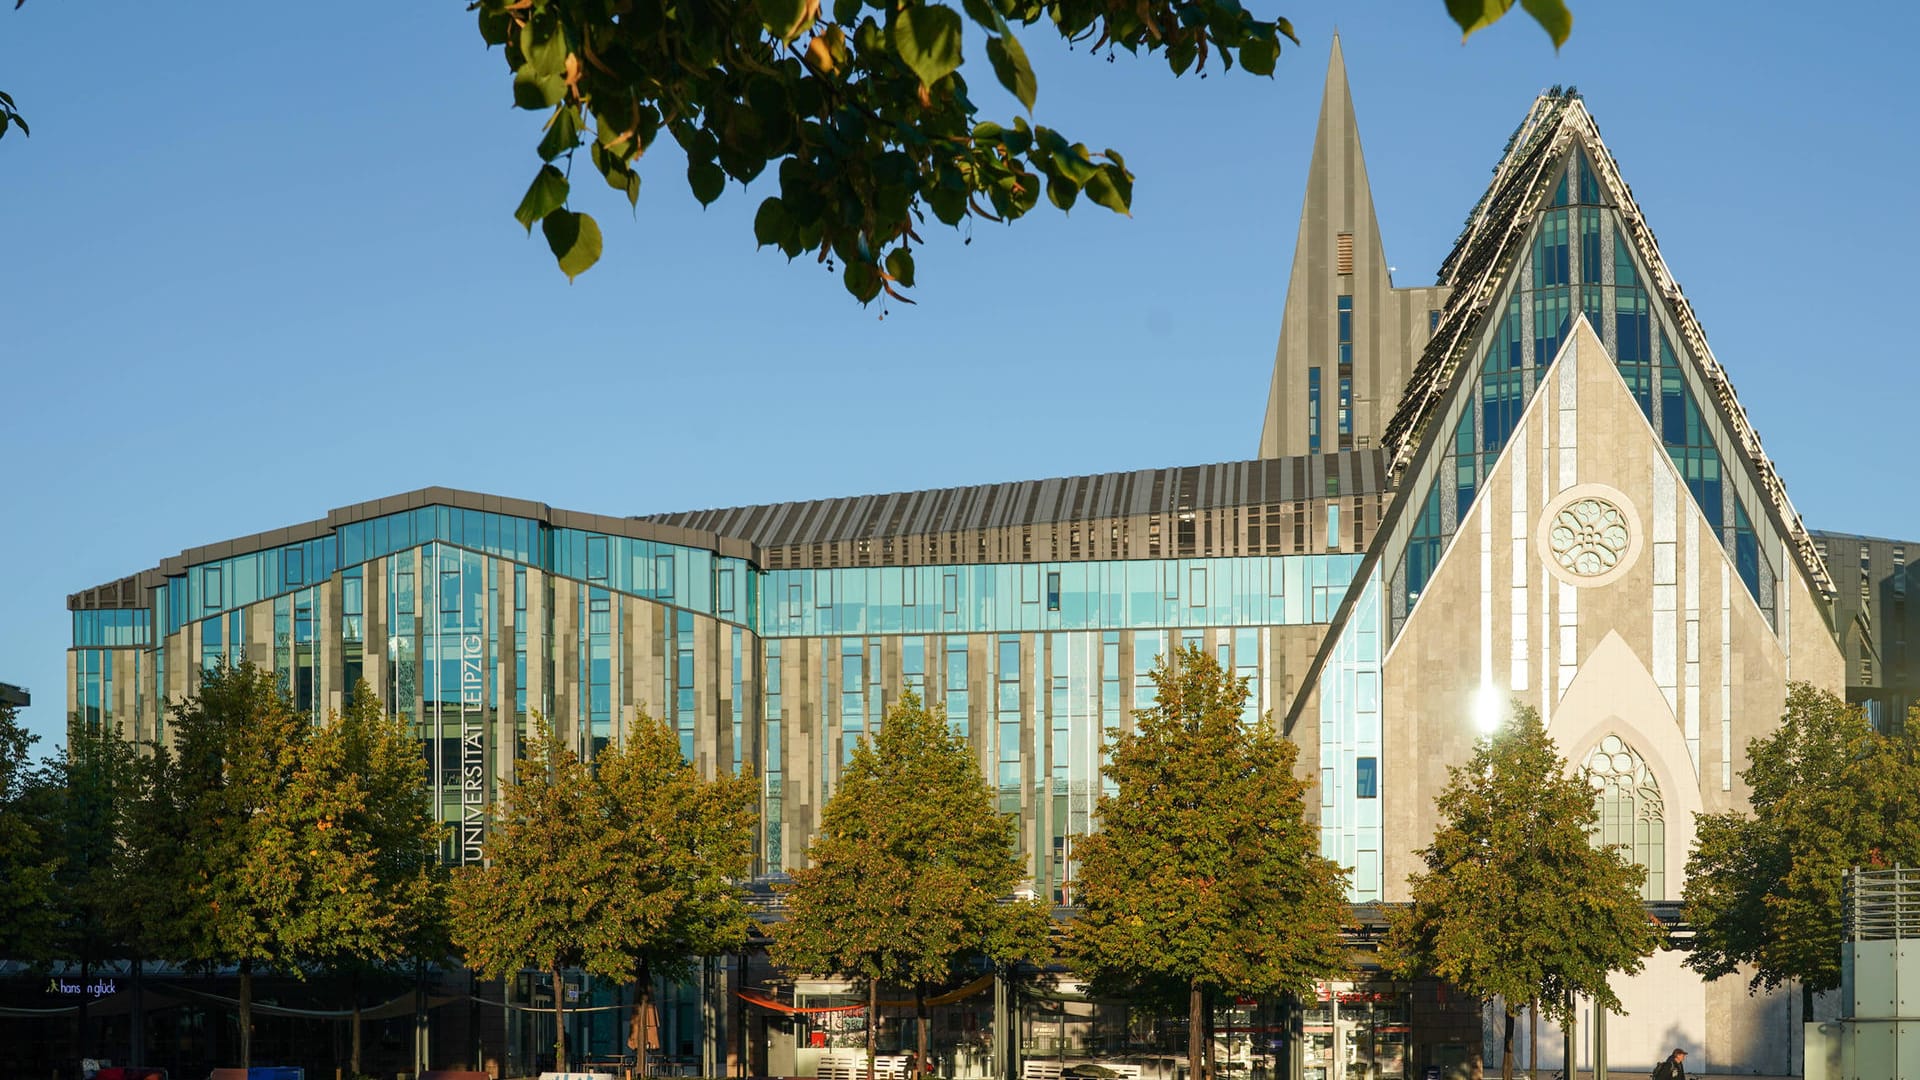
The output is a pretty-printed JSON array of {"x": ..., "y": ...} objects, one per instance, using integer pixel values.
[
  {"x": 1051, "y": 1070},
  {"x": 854, "y": 1067}
]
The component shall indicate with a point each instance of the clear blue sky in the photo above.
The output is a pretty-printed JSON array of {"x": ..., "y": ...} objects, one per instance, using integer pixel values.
[{"x": 258, "y": 261}]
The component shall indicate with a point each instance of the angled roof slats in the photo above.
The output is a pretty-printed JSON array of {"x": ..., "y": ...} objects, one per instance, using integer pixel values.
[{"x": 1038, "y": 502}]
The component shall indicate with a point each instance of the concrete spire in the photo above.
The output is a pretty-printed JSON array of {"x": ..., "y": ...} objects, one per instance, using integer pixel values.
[{"x": 1337, "y": 253}]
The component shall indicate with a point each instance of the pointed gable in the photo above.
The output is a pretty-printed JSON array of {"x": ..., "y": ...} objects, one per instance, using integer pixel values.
[{"x": 1558, "y": 234}]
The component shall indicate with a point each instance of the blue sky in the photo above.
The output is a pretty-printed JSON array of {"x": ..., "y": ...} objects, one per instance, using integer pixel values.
[{"x": 257, "y": 262}]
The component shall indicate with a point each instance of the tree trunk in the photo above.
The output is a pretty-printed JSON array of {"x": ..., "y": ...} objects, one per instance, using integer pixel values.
[
  {"x": 920, "y": 1042},
  {"x": 873, "y": 1021},
  {"x": 642, "y": 1006},
  {"x": 421, "y": 1044},
  {"x": 1195, "y": 1052},
  {"x": 1806, "y": 1017},
  {"x": 137, "y": 1023},
  {"x": 246, "y": 1014},
  {"x": 353, "y": 1041},
  {"x": 80, "y": 1014},
  {"x": 1506, "y": 1049},
  {"x": 559, "y": 1020},
  {"x": 1533, "y": 1040},
  {"x": 1206, "y": 1049}
]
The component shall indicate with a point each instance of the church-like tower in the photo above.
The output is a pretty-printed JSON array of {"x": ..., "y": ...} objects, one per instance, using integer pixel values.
[{"x": 1348, "y": 337}]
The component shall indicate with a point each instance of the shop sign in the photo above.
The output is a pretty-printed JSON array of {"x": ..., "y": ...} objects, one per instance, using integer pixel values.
[{"x": 97, "y": 988}]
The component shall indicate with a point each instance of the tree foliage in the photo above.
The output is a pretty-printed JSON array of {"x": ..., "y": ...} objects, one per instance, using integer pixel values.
[
  {"x": 1517, "y": 902},
  {"x": 28, "y": 854},
  {"x": 911, "y": 871},
  {"x": 615, "y": 869},
  {"x": 94, "y": 782},
  {"x": 238, "y": 748},
  {"x": 1204, "y": 875},
  {"x": 1828, "y": 793},
  {"x": 348, "y": 863},
  {"x": 861, "y": 108}
]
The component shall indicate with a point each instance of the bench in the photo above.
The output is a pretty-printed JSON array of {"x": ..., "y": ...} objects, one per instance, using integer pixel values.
[
  {"x": 452, "y": 1074},
  {"x": 1052, "y": 1070},
  {"x": 854, "y": 1067}
]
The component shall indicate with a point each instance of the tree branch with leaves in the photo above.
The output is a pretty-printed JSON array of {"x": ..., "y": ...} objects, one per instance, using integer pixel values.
[{"x": 861, "y": 108}]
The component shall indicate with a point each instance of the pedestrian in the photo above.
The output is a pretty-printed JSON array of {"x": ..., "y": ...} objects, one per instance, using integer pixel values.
[{"x": 1674, "y": 1068}]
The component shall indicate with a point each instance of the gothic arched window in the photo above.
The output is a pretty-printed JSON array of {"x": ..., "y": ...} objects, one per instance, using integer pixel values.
[{"x": 1631, "y": 811}]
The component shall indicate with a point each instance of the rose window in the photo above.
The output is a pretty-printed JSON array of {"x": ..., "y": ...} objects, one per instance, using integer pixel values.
[{"x": 1589, "y": 537}]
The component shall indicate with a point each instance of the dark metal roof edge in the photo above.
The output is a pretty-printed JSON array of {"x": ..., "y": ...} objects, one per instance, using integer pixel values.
[{"x": 452, "y": 498}]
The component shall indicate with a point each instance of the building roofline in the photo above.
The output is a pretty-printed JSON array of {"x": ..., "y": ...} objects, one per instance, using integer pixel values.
[
  {"x": 1366, "y": 468},
  {"x": 1829, "y": 534},
  {"x": 131, "y": 591}
]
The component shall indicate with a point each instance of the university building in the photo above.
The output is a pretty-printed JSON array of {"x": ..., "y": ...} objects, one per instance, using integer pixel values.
[{"x": 1530, "y": 480}]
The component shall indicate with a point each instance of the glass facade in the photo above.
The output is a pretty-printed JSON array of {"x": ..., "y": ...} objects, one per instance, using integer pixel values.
[
  {"x": 1350, "y": 745},
  {"x": 469, "y": 622}
]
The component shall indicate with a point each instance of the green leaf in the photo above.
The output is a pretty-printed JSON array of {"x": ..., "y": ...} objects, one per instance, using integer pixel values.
[
  {"x": 1260, "y": 54},
  {"x": 1061, "y": 191},
  {"x": 1553, "y": 17},
  {"x": 1011, "y": 67},
  {"x": 544, "y": 45},
  {"x": 1075, "y": 164},
  {"x": 862, "y": 280},
  {"x": 1110, "y": 188},
  {"x": 533, "y": 91},
  {"x": 547, "y": 193},
  {"x": 494, "y": 24},
  {"x": 786, "y": 18},
  {"x": 846, "y": 12},
  {"x": 574, "y": 240},
  {"x": 706, "y": 180},
  {"x": 984, "y": 13},
  {"x": 770, "y": 224},
  {"x": 900, "y": 265},
  {"x": 927, "y": 40},
  {"x": 563, "y": 133}
]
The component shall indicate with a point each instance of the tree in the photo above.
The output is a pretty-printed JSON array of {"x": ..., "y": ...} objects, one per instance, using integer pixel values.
[
  {"x": 155, "y": 911},
  {"x": 95, "y": 778},
  {"x": 1828, "y": 793},
  {"x": 911, "y": 870},
  {"x": 683, "y": 844},
  {"x": 238, "y": 743},
  {"x": 613, "y": 873},
  {"x": 28, "y": 858},
  {"x": 1204, "y": 876},
  {"x": 349, "y": 861},
  {"x": 860, "y": 107},
  {"x": 1517, "y": 902}
]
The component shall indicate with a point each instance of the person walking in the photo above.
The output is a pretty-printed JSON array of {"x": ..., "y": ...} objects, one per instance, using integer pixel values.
[{"x": 1674, "y": 1068}]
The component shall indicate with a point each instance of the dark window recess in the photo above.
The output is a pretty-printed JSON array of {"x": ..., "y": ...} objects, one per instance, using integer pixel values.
[
  {"x": 1053, "y": 592},
  {"x": 1366, "y": 778}
]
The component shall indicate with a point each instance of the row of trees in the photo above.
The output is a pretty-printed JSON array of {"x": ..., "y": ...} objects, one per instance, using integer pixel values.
[
  {"x": 1204, "y": 879},
  {"x": 260, "y": 841},
  {"x": 254, "y": 840}
]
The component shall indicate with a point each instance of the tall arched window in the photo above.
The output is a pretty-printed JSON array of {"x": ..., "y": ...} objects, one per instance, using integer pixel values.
[{"x": 1631, "y": 811}]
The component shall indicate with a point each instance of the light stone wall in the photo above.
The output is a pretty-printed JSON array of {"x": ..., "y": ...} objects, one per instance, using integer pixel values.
[{"x": 1669, "y": 651}]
